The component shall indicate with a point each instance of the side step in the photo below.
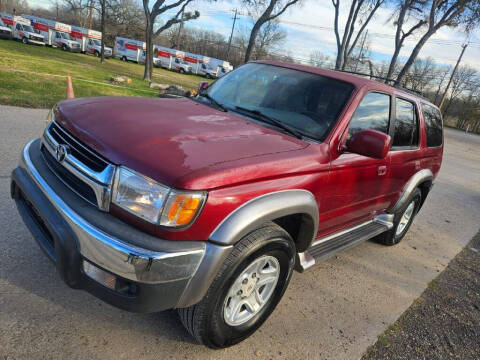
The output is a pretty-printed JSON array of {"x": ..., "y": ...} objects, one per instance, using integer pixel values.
[{"x": 327, "y": 246}]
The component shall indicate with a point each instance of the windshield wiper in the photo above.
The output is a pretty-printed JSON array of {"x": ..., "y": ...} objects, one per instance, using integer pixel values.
[
  {"x": 272, "y": 121},
  {"x": 213, "y": 101}
]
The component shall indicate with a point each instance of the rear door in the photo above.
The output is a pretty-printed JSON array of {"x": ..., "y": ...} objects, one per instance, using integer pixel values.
[
  {"x": 405, "y": 154},
  {"x": 359, "y": 186}
]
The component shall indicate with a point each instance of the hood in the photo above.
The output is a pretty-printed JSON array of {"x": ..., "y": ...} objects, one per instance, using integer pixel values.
[{"x": 178, "y": 142}]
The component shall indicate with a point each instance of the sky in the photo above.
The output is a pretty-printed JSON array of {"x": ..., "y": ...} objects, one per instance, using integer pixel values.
[{"x": 309, "y": 28}]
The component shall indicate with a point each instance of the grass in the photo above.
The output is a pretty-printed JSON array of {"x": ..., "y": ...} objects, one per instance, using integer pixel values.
[{"x": 34, "y": 76}]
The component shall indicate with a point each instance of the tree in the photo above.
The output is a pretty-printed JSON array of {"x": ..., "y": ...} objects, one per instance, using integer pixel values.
[
  {"x": 406, "y": 10},
  {"x": 361, "y": 12},
  {"x": 158, "y": 8},
  {"x": 319, "y": 59},
  {"x": 268, "y": 10},
  {"x": 451, "y": 13}
]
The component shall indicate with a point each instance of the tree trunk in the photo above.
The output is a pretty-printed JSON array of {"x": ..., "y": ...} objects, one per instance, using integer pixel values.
[
  {"x": 147, "y": 76},
  {"x": 251, "y": 41},
  {"x": 102, "y": 50},
  {"x": 413, "y": 56},
  {"x": 393, "y": 62}
]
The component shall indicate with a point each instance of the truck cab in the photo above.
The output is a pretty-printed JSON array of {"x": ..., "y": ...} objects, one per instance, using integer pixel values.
[
  {"x": 94, "y": 47},
  {"x": 24, "y": 32},
  {"x": 207, "y": 205}
]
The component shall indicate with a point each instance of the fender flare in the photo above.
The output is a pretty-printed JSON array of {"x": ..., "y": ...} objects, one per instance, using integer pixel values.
[
  {"x": 412, "y": 184},
  {"x": 252, "y": 214}
]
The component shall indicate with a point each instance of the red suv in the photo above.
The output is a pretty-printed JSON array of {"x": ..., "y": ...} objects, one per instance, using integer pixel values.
[{"x": 206, "y": 205}]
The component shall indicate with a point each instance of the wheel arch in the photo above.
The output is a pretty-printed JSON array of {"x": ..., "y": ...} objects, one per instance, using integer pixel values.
[
  {"x": 296, "y": 211},
  {"x": 422, "y": 180}
]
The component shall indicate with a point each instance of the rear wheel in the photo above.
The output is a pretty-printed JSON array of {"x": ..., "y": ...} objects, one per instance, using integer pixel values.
[
  {"x": 245, "y": 291},
  {"x": 124, "y": 58},
  {"x": 402, "y": 220}
]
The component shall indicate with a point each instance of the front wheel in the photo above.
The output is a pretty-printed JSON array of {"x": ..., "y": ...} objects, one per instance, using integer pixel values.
[
  {"x": 25, "y": 40},
  {"x": 245, "y": 291},
  {"x": 64, "y": 47},
  {"x": 96, "y": 54}
]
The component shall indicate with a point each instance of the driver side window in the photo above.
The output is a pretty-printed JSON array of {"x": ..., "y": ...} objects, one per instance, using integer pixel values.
[{"x": 372, "y": 113}]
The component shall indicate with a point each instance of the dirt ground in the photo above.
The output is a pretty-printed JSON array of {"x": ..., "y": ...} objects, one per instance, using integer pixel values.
[
  {"x": 444, "y": 323},
  {"x": 336, "y": 310}
]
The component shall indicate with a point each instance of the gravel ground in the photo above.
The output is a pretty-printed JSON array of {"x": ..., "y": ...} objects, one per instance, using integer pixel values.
[
  {"x": 336, "y": 310},
  {"x": 443, "y": 323}
]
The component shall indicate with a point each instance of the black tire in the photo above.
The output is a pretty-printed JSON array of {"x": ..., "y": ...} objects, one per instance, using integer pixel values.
[
  {"x": 182, "y": 71},
  {"x": 25, "y": 40},
  {"x": 391, "y": 237},
  {"x": 208, "y": 76},
  {"x": 64, "y": 47},
  {"x": 124, "y": 58},
  {"x": 96, "y": 54},
  {"x": 205, "y": 320}
]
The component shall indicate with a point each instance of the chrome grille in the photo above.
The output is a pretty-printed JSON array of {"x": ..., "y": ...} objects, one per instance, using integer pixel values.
[{"x": 84, "y": 171}]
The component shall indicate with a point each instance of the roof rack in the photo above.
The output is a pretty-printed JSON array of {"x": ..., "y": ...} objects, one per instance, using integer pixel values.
[{"x": 388, "y": 81}]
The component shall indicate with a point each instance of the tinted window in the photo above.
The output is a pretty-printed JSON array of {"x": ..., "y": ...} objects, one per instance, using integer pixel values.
[
  {"x": 433, "y": 124},
  {"x": 406, "y": 133},
  {"x": 307, "y": 102},
  {"x": 372, "y": 113}
]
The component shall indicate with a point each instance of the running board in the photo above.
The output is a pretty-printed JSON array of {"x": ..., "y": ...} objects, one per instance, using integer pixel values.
[{"x": 327, "y": 246}]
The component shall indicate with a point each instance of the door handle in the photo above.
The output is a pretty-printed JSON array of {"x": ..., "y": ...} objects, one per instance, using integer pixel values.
[{"x": 382, "y": 170}]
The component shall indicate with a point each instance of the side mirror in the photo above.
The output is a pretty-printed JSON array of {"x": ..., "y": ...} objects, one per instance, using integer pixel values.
[
  {"x": 370, "y": 143},
  {"x": 203, "y": 86}
]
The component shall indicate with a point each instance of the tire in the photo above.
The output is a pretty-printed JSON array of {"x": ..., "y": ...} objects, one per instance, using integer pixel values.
[
  {"x": 396, "y": 234},
  {"x": 206, "y": 320},
  {"x": 208, "y": 76},
  {"x": 96, "y": 54},
  {"x": 182, "y": 71},
  {"x": 25, "y": 40},
  {"x": 64, "y": 47},
  {"x": 124, "y": 58}
]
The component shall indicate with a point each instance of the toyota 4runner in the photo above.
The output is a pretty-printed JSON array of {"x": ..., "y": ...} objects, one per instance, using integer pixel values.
[{"x": 207, "y": 205}]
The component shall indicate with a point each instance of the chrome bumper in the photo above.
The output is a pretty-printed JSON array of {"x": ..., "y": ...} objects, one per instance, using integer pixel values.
[{"x": 112, "y": 254}]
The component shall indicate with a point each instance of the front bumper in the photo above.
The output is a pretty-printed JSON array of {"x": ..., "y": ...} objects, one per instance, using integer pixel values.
[
  {"x": 35, "y": 42},
  {"x": 152, "y": 274}
]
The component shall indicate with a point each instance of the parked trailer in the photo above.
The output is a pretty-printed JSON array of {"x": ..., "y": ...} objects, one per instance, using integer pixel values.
[
  {"x": 23, "y": 31},
  {"x": 56, "y": 34},
  {"x": 130, "y": 50},
  {"x": 90, "y": 41}
]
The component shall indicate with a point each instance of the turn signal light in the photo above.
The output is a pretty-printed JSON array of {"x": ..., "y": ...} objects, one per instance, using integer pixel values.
[{"x": 183, "y": 209}]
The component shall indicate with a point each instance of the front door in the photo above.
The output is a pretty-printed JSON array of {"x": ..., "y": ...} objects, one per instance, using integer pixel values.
[{"x": 358, "y": 187}]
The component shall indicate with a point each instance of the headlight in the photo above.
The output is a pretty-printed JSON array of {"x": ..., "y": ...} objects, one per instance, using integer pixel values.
[
  {"x": 154, "y": 202},
  {"x": 50, "y": 116}
]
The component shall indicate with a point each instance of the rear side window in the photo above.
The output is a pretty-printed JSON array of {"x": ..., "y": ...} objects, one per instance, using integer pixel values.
[
  {"x": 406, "y": 129},
  {"x": 433, "y": 124},
  {"x": 372, "y": 113}
]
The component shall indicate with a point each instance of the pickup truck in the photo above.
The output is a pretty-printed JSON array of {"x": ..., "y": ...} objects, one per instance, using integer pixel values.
[{"x": 207, "y": 205}]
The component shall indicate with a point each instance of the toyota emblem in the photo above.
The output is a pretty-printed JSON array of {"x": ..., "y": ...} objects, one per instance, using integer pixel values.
[{"x": 61, "y": 152}]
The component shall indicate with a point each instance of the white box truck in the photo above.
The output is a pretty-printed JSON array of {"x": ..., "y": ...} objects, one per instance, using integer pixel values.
[
  {"x": 56, "y": 34},
  {"x": 23, "y": 31},
  {"x": 90, "y": 41},
  {"x": 5, "y": 31},
  {"x": 170, "y": 59},
  {"x": 130, "y": 50}
]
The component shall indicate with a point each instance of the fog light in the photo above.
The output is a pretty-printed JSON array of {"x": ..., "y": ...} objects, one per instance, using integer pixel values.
[{"x": 99, "y": 275}]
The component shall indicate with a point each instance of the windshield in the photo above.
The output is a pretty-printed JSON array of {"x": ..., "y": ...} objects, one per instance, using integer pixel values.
[
  {"x": 28, "y": 28},
  {"x": 306, "y": 102},
  {"x": 65, "y": 36}
]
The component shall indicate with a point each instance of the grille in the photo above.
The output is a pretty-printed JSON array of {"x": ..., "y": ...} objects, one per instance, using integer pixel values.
[
  {"x": 88, "y": 157},
  {"x": 74, "y": 183}
]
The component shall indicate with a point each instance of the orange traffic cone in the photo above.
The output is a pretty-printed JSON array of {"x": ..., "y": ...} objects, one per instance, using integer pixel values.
[{"x": 70, "y": 94}]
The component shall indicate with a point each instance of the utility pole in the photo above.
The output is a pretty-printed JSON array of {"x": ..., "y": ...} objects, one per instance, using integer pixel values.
[
  {"x": 360, "y": 54},
  {"x": 442, "y": 102},
  {"x": 90, "y": 21},
  {"x": 231, "y": 36}
]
